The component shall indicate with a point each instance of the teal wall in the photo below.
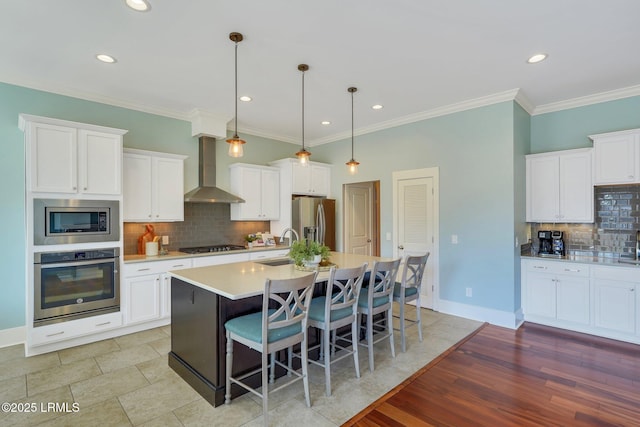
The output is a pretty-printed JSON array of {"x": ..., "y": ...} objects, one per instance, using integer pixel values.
[
  {"x": 521, "y": 147},
  {"x": 567, "y": 129},
  {"x": 145, "y": 131},
  {"x": 474, "y": 152}
]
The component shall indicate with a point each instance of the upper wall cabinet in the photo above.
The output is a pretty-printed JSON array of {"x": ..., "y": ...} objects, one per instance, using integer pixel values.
[
  {"x": 259, "y": 186},
  {"x": 312, "y": 179},
  {"x": 153, "y": 186},
  {"x": 73, "y": 158},
  {"x": 559, "y": 186},
  {"x": 616, "y": 157}
]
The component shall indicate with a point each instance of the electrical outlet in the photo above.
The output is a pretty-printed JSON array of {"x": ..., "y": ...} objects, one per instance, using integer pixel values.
[
  {"x": 388, "y": 236},
  {"x": 165, "y": 240},
  {"x": 468, "y": 292},
  {"x": 454, "y": 239}
]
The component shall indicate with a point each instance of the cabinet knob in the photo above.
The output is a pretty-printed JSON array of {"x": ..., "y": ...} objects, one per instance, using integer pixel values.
[
  {"x": 149, "y": 215},
  {"x": 84, "y": 188}
]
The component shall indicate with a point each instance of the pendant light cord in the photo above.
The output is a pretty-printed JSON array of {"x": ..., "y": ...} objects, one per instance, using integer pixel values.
[
  {"x": 352, "y": 157},
  {"x": 236, "y": 93},
  {"x": 303, "y": 111}
]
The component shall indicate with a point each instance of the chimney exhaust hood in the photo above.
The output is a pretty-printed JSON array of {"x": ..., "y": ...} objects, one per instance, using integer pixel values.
[{"x": 206, "y": 191}]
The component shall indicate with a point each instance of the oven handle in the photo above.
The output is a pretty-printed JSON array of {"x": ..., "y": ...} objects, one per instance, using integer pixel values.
[{"x": 74, "y": 263}]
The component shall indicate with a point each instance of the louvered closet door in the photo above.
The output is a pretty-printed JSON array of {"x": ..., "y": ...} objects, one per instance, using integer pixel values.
[{"x": 416, "y": 226}]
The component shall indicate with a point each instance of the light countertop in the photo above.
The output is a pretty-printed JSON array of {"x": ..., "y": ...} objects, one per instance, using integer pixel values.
[
  {"x": 584, "y": 259},
  {"x": 246, "y": 279},
  {"x": 177, "y": 255}
]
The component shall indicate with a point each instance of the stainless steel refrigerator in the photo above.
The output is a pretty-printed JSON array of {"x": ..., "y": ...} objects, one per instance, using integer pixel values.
[{"x": 314, "y": 218}]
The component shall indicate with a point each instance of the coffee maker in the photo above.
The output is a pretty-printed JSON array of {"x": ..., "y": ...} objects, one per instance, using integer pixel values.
[
  {"x": 546, "y": 243},
  {"x": 557, "y": 243}
]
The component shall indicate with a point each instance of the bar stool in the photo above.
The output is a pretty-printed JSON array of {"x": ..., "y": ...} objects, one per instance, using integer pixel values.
[
  {"x": 337, "y": 309},
  {"x": 376, "y": 299},
  {"x": 408, "y": 289},
  {"x": 281, "y": 324}
]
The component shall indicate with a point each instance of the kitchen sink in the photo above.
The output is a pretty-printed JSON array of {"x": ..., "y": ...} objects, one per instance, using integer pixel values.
[{"x": 276, "y": 261}]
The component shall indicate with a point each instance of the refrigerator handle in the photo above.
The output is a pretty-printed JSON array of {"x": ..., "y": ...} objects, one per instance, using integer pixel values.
[{"x": 320, "y": 221}]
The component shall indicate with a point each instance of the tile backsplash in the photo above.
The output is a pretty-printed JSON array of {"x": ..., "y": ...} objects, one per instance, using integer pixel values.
[
  {"x": 617, "y": 218},
  {"x": 204, "y": 224}
]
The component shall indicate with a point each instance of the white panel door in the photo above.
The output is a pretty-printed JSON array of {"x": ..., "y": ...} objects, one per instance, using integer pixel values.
[
  {"x": 359, "y": 212},
  {"x": 576, "y": 187},
  {"x": 136, "y": 202},
  {"x": 416, "y": 223},
  {"x": 53, "y": 158},
  {"x": 167, "y": 184},
  {"x": 99, "y": 163},
  {"x": 616, "y": 159},
  {"x": 542, "y": 191}
]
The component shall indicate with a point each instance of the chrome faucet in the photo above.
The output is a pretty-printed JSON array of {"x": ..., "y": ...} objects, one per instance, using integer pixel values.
[{"x": 293, "y": 233}]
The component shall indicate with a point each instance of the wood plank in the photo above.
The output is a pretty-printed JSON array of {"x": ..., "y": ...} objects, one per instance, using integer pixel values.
[{"x": 532, "y": 376}]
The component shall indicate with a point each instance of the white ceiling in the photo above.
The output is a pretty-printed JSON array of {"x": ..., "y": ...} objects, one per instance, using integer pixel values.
[{"x": 412, "y": 56}]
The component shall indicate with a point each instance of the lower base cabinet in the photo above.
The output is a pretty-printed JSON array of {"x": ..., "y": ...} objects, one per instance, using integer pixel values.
[
  {"x": 616, "y": 301},
  {"x": 595, "y": 299}
]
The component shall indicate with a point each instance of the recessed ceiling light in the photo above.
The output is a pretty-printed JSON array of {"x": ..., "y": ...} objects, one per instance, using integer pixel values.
[
  {"x": 106, "y": 58},
  {"x": 326, "y": 122},
  {"x": 245, "y": 98},
  {"x": 377, "y": 107},
  {"x": 538, "y": 57},
  {"x": 139, "y": 5}
]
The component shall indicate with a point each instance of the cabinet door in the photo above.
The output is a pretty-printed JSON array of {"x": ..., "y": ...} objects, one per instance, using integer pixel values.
[
  {"x": 576, "y": 188},
  {"x": 270, "y": 194},
  {"x": 541, "y": 295},
  {"x": 167, "y": 184},
  {"x": 137, "y": 187},
  {"x": 99, "y": 163},
  {"x": 53, "y": 152},
  {"x": 616, "y": 159},
  {"x": 301, "y": 176},
  {"x": 615, "y": 305},
  {"x": 542, "y": 190},
  {"x": 143, "y": 298},
  {"x": 572, "y": 299},
  {"x": 320, "y": 180}
]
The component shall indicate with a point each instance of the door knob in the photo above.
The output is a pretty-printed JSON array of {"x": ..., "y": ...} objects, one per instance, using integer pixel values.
[
  {"x": 401, "y": 247},
  {"x": 368, "y": 240}
]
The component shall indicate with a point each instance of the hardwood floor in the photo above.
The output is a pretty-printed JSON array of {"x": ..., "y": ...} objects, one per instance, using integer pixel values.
[{"x": 533, "y": 376}]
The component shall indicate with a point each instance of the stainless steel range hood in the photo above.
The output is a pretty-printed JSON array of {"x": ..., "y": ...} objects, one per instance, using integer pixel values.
[{"x": 206, "y": 191}]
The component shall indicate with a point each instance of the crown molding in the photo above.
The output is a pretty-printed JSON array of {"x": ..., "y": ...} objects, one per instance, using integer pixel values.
[
  {"x": 90, "y": 96},
  {"x": 583, "y": 101}
]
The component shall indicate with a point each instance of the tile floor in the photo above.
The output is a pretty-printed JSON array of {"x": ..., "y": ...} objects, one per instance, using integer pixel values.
[{"x": 126, "y": 381}]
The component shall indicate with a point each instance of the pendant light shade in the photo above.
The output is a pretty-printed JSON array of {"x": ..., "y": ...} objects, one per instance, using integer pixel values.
[
  {"x": 303, "y": 155},
  {"x": 235, "y": 143},
  {"x": 352, "y": 164}
]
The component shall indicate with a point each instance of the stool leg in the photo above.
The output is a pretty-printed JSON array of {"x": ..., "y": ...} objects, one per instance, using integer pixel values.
[
  {"x": 327, "y": 361},
  {"x": 354, "y": 343},
  {"x": 227, "y": 394},
  {"x": 370, "y": 340},
  {"x": 265, "y": 385},
  {"x": 402, "y": 327},
  {"x": 390, "y": 330},
  {"x": 418, "y": 317}
]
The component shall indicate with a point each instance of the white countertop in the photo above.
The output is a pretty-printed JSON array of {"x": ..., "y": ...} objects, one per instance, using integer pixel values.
[
  {"x": 177, "y": 255},
  {"x": 246, "y": 279}
]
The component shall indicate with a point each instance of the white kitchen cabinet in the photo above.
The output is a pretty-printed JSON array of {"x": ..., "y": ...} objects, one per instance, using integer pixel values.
[
  {"x": 259, "y": 186},
  {"x": 559, "y": 186},
  {"x": 146, "y": 291},
  {"x": 73, "y": 158},
  {"x": 48, "y": 334},
  {"x": 312, "y": 179},
  {"x": 615, "y": 294},
  {"x": 556, "y": 291},
  {"x": 616, "y": 157},
  {"x": 153, "y": 186}
]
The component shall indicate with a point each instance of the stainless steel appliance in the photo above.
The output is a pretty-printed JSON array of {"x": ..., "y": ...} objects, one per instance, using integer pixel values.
[
  {"x": 72, "y": 285},
  {"x": 57, "y": 221},
  {"x": 210, "y": 248},
  {"x": 315, "y": 219},
  {"x": 557, "y": 243},
  {"x": 545, "y": 247}
]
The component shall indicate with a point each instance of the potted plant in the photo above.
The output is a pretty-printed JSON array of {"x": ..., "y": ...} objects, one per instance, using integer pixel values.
[
  {"x": 308, "y": 254},
  {"x": 250, "y": 238}
]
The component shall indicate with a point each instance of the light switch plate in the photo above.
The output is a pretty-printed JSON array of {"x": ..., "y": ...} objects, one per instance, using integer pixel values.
[
  {"x": 454, "y": 239},
  {"x": 165, "y": 240}
]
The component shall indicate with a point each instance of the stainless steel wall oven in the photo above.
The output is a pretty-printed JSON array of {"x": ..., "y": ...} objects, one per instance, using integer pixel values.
[{"x": 76, "y": 284}]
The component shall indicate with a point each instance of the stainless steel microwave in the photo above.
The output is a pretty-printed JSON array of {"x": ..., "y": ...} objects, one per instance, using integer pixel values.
[{"x": 59, "y": 221}]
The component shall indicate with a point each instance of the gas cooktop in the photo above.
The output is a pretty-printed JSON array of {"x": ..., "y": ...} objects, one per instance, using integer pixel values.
[{"x": 210, "y": 248}]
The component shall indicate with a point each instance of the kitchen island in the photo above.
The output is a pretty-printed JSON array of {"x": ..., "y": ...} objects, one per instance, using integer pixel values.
[{"x": 203, "y": 299}]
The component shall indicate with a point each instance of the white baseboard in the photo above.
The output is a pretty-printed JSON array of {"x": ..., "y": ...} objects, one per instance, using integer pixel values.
[
  {"x": 13, "y": 336},
  {"x": 507, "y": 319}
]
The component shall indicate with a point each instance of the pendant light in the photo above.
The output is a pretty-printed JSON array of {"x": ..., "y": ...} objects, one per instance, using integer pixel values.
[
  {"x": 235, "y": 143},
  {"x": 352, "y": 164},
  {"x": 303, "y": 155}
]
